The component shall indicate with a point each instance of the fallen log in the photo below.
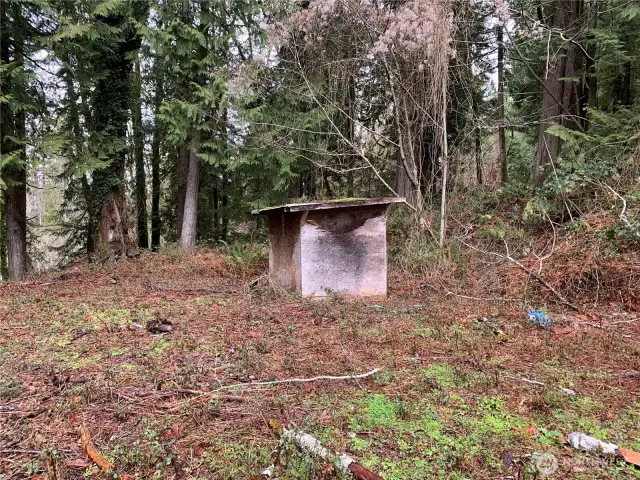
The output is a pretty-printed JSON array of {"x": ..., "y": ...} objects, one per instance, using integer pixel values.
[{"x": 311, "y": 445}]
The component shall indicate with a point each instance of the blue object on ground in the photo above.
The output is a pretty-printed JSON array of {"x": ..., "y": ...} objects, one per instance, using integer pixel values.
[{"x": 540, "y": 318}]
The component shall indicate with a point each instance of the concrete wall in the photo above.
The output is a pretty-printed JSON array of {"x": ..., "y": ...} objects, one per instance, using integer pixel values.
[{"x": 344, "y": 250}]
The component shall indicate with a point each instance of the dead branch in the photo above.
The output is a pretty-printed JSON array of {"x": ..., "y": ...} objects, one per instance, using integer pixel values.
[
  {"x": 566, "y": 391},
  {"x": 80, "y": 334},
  {"x": 623, "y": 213},
  {"x": 448, "y": 293},
  {"x": 164, "y": 288},
  {"x": 539, "y": 80},
  {"x": 359, "y": 150},
  {"x": 19, "y": 451},
  {"x": 300, "y": 380},
  {"x": 311, "y": 445},
  {"x": 528, "y": 271},
  {"x": 215, "y": 394},
  {"x": 633, "y": 320},
  {"x": 92, "y": 452},
  {"x": 203, "y": 397}
]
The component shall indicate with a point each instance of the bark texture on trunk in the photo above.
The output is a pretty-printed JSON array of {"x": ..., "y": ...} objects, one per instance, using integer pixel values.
[
  {"x": 478, "y": 155},
  {"x": 590, "y": 66},
  {"x": 111, "y": 99},
  {"x": 403, "y": 185},
  {"x": 190, "y": 217},
  {"x": 224, "y": 223},
  {"x": 502, "y": 149},
  {"x": 141, "y": 176},
  {"x": 4, "y": 269},
  {"x": 562, "y": 96},
  {"x": 156, "y": 221},
  {"x": 15, "y": 214},
  {"x": 14, "y": 175},
  {"x": 182, "y": 170},
  {"x": 622, "y": 95}
]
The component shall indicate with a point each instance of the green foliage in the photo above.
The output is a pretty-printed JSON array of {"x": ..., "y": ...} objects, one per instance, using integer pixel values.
[
  {"x": 245, "y": 257},
  {"x": 9, "y": 388},
  {"x": 380, "y": 412},
  {"x": 148, "y": 452}
]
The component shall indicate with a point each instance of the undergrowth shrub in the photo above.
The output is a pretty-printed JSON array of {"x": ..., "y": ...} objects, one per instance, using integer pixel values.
[
  {"x": 412, "y": 243},
  {"x": 246, "y": 258}
]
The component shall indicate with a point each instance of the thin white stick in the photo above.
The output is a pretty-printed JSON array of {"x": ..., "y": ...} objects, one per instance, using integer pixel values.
[
  {"x": 300, "y": 380},
  {"x": 525, "y": 380},
  {"x": 246, "y": 386},
  {"x": 566, "y": 391},
  {"x": 623, "y": 212},
  {"x": 623, "y": 321}
]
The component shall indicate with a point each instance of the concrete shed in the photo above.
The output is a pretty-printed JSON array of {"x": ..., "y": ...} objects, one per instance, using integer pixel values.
[{"x": 336, "y": 246}]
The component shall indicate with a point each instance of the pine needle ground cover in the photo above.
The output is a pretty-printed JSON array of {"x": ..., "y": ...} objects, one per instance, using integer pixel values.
[{"x": 449, "y": 402}]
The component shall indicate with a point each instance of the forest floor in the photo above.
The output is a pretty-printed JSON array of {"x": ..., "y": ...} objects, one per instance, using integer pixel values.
[{"x": 450, "y": 401}]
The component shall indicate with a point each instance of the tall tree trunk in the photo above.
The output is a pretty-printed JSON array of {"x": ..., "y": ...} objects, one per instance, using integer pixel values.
[
  {"x": 87, "y": 191},
  {"x": 502, "y": 149},
  {"x": 350, "y": 133},
  {"x": 190, "y": 217},
  {"x": 79, "y": 149},
  {"x": 403, "y": 185},
  {"x": 478, "y": 155},
  {"x": 188, "y": 231},
  {"x": 224, "y": 227},
  {"x": 15, "y": 214},
  {"x": 216, "y": 214},
  {"x": 622, "y": 96},
  {"x": 4, "y": 268},
  {"x": 562, "y": 96},
  {"x": 14, "y": 175},
  {"x": 156, "y": 221},
  {"x": 182, "y": 170},
  {"x": 141, "y": 176},
  {"x": 111, "y": 106},
  {"x": 224, "y": 218},
  {"x": 478, "y": 140},
  {"x": 590, "y": 64}
]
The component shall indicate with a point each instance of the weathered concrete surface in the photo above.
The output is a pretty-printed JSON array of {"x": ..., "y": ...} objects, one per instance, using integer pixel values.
[
  {"x": 319, "y": 248},
  {"x": 344, "y": 251}
]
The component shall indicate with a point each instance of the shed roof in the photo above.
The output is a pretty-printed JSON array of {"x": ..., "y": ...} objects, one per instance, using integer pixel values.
[{"x": 330, "y": 205}]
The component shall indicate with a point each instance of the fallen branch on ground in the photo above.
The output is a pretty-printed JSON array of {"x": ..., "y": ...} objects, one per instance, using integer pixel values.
[
  {"x": 301, "y": 380},
  {"x": 250, "y": 385},
  {"x": 619, "y": 322},
  {"x": 91, "y": 450},
  {"x": 566, "y": 391},
  {"x": 311, "y": 445},
  {"x": 202, "y": 398},
  {"x": 15, "y": 451},
  {"x": 448, "y": 292},
  {"x": 80, "y": 334},
  {"x": 163, "y": 288},
  {"x": 25, "y": 415},
  {"x": 623, "y": 213}
]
